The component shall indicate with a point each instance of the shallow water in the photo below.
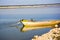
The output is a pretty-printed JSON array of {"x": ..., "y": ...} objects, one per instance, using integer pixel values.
[{"x": 10, "y": 17}]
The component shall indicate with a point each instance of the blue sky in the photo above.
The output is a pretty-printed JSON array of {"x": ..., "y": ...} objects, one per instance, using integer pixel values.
[{"x": 21, "y": 2}]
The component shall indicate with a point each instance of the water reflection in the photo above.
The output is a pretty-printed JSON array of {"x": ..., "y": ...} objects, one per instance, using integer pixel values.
[{"x": 9, "y": 17}]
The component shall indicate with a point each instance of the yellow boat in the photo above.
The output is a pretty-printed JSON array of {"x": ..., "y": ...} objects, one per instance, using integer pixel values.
[{"x": 31, "y": 25}]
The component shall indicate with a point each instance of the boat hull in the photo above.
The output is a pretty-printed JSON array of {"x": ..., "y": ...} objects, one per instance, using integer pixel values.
[
  {"x": 31, "y": 25},
  {"x": 40, "y": 23}
]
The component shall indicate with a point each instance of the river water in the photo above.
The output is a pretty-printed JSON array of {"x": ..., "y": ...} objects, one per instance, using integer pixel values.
[{"x": 10, "y": 17}]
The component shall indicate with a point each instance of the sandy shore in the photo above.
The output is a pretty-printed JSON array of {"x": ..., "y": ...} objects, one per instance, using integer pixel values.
[{"x": 29, "y": 6}]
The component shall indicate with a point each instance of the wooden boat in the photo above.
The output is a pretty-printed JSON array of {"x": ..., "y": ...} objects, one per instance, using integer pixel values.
[{"x": 31, "y": 25}]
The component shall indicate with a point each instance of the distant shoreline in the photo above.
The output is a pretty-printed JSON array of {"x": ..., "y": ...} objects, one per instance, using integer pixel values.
[{"x": 30, "y": 6}]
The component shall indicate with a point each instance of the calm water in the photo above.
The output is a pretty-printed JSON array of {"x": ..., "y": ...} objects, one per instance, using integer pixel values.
[{"x": 9, "y": 17}]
